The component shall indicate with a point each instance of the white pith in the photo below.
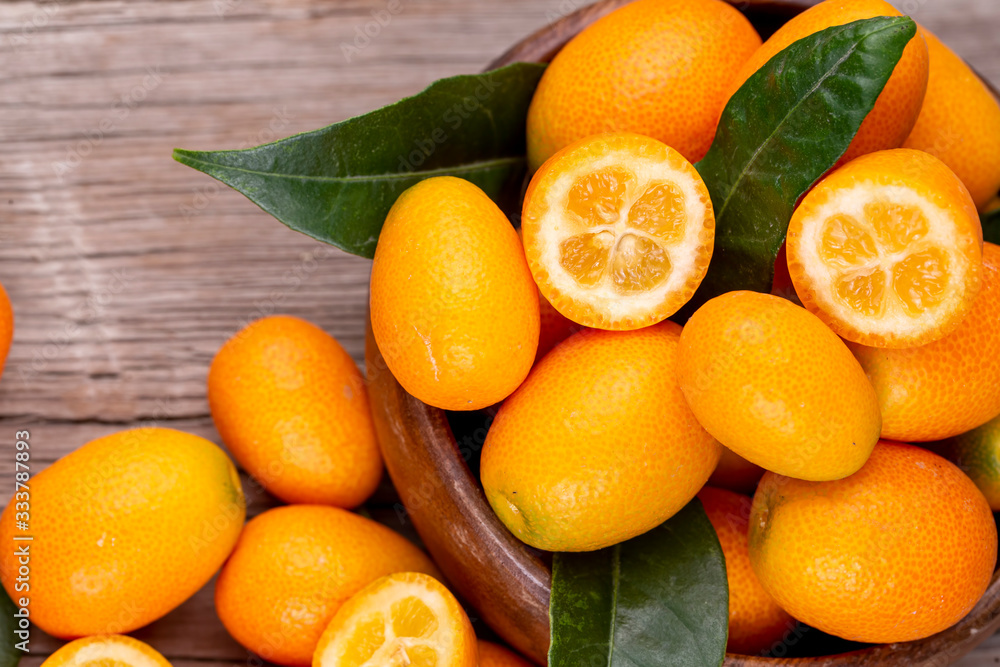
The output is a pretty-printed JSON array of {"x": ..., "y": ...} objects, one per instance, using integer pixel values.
[
  {"x": 111, "y": 650},
  {"x": 555, "y": 226},
  {"x": 894, "y": 320}
]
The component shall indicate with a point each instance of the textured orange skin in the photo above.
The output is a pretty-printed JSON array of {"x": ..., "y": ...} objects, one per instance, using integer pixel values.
[
  {"x": 133, "y": 524},
  {"x": 950, "y": 386},
  {"x": 959, "y": 122},
  {"x": 776, "y": 386},
  {"x": 898, "y": 551},
  {"x": 662, "y": 68},
  {"x": 735, "y": 473},
  {"x": 67, "y": 653},
  {"x": 453, "y": 306},
  {"x": 597, "y": 445},
  {"x": 6, "y": 326},
  {"x": 293, "y": 568},
  {"x": 756, "y": 621},
  {"x": 895, "y": 113},
  {"x": 536, "y": 208},
  {"x": 929, "y": 178},
  {"x": 292, "y": 407},
  {"x": 467, "y": 649},
  {"x": 494, "y": 655}
]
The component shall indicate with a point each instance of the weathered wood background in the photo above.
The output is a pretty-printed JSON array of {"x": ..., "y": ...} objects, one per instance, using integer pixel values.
[{"x": 127, "y": 270}]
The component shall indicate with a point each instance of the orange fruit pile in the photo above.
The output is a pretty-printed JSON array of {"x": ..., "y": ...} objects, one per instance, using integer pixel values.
[
  {"x": 790, "y": 415},
  {"x": 947, "y": 387},
  {"x": 959, "y": 122}
]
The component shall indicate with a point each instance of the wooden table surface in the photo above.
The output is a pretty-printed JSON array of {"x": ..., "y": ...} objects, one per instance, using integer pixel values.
[{"x": 127, "y": 271}]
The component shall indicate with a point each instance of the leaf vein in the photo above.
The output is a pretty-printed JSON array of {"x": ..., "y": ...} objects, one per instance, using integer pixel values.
[
  {"x": 471, "y": 167},
  {"x": 791, "y": 112}
]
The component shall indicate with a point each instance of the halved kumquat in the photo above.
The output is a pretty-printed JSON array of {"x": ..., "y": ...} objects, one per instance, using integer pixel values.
[
  {"x": 887, "y": 250},
  {"x": 106, "y": 651},
  {"x": 407, "y": 618},
  {"x": 618, "y": 231}
]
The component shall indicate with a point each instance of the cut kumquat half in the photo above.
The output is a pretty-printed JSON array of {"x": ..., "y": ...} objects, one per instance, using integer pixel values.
[
  {"x": 106, "y": 651},
  {"x": 618, "y": 230},
  {"x": 406, "y": 618},
  {"x": 887, "y": 250}
]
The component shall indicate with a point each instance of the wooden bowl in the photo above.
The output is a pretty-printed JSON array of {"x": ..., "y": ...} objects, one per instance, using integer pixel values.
[{"x": 506, "y": 582}]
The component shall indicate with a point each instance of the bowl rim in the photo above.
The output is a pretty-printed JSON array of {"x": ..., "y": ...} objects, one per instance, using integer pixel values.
[{"x": 505, "y": 581}]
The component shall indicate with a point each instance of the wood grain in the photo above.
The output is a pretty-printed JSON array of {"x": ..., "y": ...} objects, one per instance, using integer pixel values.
[{"x": 127, "y": 270}]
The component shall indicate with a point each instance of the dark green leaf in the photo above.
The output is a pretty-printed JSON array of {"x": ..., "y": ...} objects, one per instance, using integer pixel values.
[
  {"x": 784, "y": 128},
  {"x": 9, "y": 655},
  {"x": 658, "y": 599},
  {"x": 991, "y": 226},
  {"x": 337, "y": 184}
]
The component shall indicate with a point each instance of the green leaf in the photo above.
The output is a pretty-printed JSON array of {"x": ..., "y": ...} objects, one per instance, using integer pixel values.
[
  {"x": 337, "y": 184},
  {"x": 658, "y": 599},
  {"x": 781, "y": 131},
  {"x": 9, "y": 656},
  {"x": 991, "y": 226}
]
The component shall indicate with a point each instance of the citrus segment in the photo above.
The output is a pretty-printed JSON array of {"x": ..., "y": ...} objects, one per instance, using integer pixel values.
[
  {"x": 618, "y": 231},
  {"x": 887, "y": 249},
  {"x": 405, "y": 619},
  {"x": 947, "y": 387}
]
